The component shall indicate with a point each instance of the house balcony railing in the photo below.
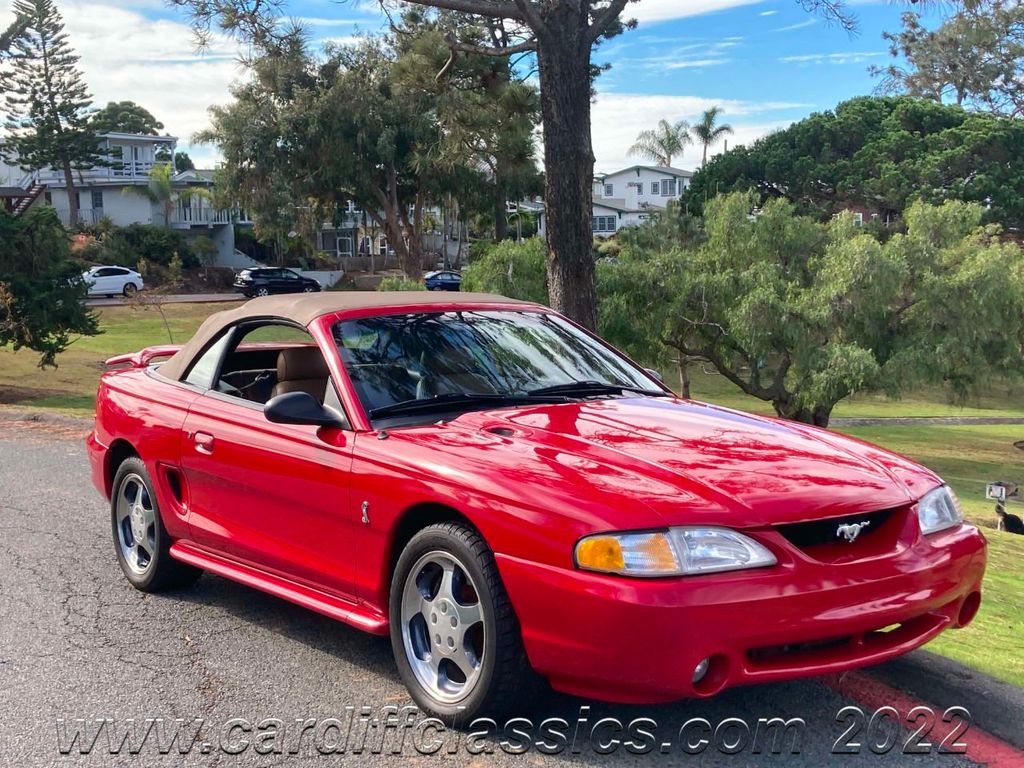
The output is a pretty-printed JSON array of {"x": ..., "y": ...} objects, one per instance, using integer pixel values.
[
  {"x": 85, "y": 215},
  {"x": 118, "y": 170},
  {"x": 204, "y": 215}
]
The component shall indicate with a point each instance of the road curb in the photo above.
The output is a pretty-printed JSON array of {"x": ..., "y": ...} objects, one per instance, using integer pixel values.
[
  {"x": 924, "y": 421},
  {"x": 995, "y": 705},
  {"x": 928, "y": 720},
  {"x": 40, "y": 419}
]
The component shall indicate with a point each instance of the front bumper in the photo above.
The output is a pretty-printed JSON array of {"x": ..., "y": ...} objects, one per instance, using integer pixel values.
[{"x": 639, "y": 641}]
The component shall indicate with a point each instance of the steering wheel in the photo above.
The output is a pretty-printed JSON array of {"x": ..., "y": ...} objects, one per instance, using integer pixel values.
[{"x": 424, "y": 379}]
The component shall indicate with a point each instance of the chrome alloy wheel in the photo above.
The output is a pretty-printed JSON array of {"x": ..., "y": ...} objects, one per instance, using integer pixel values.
[
  {"x": 443, "y": 626},
  {"x": 136, "y": 524}
]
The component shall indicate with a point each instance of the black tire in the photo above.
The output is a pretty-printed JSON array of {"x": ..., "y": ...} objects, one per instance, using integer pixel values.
[
  {"x": 506, "y": 680},
  {"x": 262, "y": 291},
  {"x": 162, "y": 572},
  {"x": 310, "y": 289},
  {"x": 130, "y": 289}
]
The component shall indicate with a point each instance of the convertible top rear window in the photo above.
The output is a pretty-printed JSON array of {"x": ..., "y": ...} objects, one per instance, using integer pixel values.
[{"x": 397, "y": 358}]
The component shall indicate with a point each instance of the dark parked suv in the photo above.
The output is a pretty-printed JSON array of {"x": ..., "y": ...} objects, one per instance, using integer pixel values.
[{"x": 263, "y": 282}]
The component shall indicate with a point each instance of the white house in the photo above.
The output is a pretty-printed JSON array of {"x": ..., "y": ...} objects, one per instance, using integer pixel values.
[
  {"x": 626, "y": 198},
  {"x": 110, "y": 190}
]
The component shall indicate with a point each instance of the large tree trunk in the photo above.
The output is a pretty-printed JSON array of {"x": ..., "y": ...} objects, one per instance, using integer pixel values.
[
  {"x": 69, "y": 182},
  {"x": 818, "y": 415},
  {"x": 683, "y": 362},
  {"x": 500, "y": 210},
  {"x": 563, "y": 55},
  {"x": 409, "y": 259}
]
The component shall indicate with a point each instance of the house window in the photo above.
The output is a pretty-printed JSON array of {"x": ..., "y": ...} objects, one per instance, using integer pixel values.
[
  {"x": 604, "y": 224},
  {"x": 97, "y": 199},
  {"x": 668, "y": 188},
  {"x": 655, "y": 187},
  {"x": 609, "y": 190},
  {"x": 858, "y": 219},
  {"x": 383, "y": 246}
]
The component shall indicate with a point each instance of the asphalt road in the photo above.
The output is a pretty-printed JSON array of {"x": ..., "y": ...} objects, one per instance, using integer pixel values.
[
  {"x": 76, "y": 641},
  {"x": 179, "y": 298}
]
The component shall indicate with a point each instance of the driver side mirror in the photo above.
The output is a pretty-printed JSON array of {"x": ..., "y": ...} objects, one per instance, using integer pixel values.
[
  {"x": 653, "y": 372},
  {"x": 300, "y": 408}
]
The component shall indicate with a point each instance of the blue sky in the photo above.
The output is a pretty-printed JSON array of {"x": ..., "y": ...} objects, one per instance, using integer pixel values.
[{"x": 767, "y": 63}]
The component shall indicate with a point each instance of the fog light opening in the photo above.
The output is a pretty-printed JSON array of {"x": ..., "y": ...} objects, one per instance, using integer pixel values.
[
  {"x": 711, "y": 675},
  {"x": 701, "y": 670},
  {"x": 969, "y": 609}
]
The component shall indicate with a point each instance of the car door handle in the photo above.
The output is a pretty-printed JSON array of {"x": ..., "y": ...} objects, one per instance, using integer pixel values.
[{"x": 203, "y": 442}]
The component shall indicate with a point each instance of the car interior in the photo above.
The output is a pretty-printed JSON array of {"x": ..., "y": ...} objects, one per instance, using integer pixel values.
[{"x": 266, "y": 360}]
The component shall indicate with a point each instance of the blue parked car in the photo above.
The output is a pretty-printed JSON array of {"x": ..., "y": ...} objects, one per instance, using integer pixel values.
[{"x": 443, "y": 280}]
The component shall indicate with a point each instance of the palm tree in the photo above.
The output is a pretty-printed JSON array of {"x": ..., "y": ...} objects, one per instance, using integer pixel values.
[
  {"x": 160, "y": 191},
  {"x": 664, "y": 142},
  {"x": 708, "y": 132}
]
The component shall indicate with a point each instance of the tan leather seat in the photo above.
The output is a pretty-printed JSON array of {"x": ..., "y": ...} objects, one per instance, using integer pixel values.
[{"x": 301, "y": 369}]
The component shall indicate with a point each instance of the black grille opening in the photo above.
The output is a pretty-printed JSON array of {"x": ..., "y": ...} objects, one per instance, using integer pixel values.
[{"x": 816, "y": 533}]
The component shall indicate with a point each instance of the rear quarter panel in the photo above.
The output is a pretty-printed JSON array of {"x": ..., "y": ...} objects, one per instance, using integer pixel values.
[{"x": 146, "y": 411}]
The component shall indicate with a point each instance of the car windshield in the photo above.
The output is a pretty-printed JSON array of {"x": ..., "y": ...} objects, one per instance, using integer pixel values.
[{"x": 465, "y": 360}]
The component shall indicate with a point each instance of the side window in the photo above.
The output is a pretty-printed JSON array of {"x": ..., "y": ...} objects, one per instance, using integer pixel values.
[
  {"x": 271, "y": 359},
  {"x": 205, "y": 368}
]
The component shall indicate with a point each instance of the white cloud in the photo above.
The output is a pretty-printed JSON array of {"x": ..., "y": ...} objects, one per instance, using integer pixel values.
[
  {"x": 650, "y": 11},
  {"x": 314, "y": 21},
  {"x": 799, "y": 25},
  {"x": 843, "y": 57},
  {"x": 767, "y": 13},
  {"x": 694, "y": 63},
  {"x": 695, "y": 55},
  {"x": 153, "y": 62},
  {"x": 618, "y": 118}
]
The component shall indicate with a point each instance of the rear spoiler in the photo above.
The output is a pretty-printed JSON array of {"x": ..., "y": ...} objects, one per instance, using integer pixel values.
[{"x": 143, "y": 357}]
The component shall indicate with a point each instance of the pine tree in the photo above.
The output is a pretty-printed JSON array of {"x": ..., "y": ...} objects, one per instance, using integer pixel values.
[{"x": 47, "y": 100}]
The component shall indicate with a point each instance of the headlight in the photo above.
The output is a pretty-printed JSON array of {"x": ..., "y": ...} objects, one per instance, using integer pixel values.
[
  {"x": 939, "y": 509},
  {"x": 675, "y": 552}
]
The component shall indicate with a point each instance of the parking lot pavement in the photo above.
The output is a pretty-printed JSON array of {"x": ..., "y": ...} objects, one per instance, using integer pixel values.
[{"x": 77, "y": 642}]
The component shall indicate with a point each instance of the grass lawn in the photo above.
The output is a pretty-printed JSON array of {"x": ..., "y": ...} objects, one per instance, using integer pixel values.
[
  {"x": 71, "y": 387},
  {"x": 967, "y": 457}
]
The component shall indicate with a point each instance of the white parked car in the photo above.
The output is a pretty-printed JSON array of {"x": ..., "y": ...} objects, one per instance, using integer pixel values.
[{"x": 110, "y": 281}]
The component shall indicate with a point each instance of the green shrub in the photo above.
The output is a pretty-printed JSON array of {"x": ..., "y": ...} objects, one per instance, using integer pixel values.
[
  {"x": 516, "y": 270},
  {"x": 399, "y": 283},
  {"x": 479, "y": 248},
  {"x": 158, "y": 245}
]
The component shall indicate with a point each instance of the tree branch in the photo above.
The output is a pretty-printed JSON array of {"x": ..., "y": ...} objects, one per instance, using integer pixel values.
[
  {"x": 486, "y": 50},
  {"x": 606, "y": 17},
  {"x": 528, "y": 14},
  {"x": 487, "y": 8}
]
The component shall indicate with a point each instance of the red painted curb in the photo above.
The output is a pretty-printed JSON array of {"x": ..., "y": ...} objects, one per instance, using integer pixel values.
[{"x": 982, "y": 748}]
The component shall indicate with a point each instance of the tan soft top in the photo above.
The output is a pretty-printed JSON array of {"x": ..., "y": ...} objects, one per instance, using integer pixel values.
[{"x": 303, "y": 308}]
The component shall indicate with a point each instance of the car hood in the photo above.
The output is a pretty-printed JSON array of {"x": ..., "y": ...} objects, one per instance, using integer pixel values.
[{"x": 692, "y": 462}]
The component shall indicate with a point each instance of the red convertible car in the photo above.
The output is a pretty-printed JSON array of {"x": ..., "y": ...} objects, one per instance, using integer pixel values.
[{"x": 511, "y": 499}]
